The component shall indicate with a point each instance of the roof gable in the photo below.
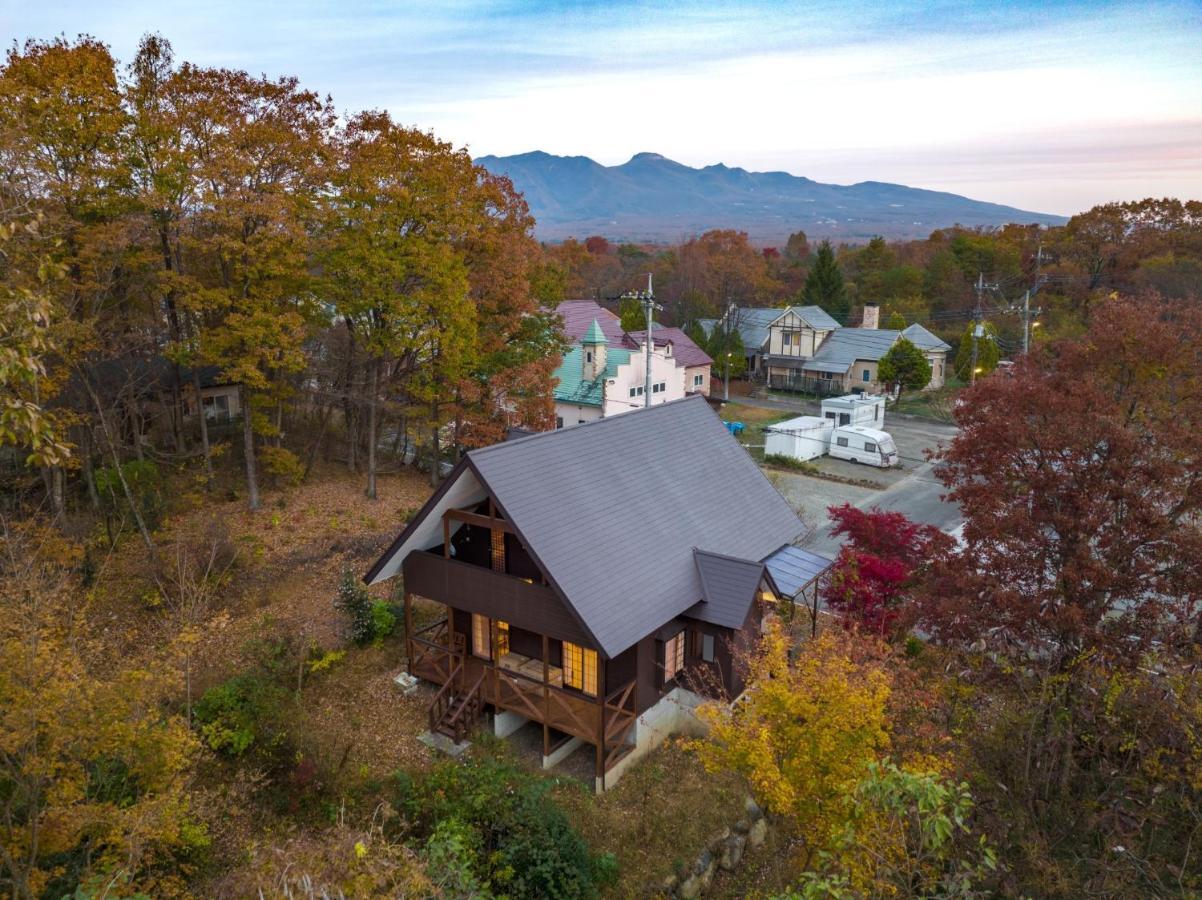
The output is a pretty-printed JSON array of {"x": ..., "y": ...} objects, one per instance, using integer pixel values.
[
  {"x": 608, "y": 513},
  {"x": 728, "y": 587},
  {"x": 685, "y": 352},
  {"x": 578, "y": 317}
]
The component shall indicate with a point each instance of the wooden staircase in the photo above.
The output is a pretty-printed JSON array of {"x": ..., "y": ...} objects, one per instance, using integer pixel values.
[{"x": 455, "y": 712}]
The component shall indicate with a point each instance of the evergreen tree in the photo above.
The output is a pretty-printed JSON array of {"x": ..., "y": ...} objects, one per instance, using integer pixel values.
[
  {"x": 988, "y": 352},
  {"x": 896, "y": 321},
  {"x": 904, "y": 366},
  {"x": 824, "y": 285}
]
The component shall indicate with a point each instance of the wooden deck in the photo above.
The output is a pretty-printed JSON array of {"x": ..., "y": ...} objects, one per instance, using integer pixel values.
[{"x": 603, "y": 722}]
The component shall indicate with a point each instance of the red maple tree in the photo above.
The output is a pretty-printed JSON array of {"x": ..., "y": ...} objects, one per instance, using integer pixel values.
[
  {"x": 870, "y": 580},
  {"x": 1080, "y": 479}
]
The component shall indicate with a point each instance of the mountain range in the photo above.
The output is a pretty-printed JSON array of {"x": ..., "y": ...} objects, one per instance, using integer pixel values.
[{"x": 654, "y": 199}]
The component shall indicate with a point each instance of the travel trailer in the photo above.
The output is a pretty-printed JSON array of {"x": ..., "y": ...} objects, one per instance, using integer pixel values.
[
  {"x": 855, "y": 409},
  {"x": 864, "y": 445},
  {"x": 804, "y": 438}
]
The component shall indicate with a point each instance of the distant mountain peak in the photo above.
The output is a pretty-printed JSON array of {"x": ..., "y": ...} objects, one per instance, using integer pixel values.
[{"x": 655, "y": 199}]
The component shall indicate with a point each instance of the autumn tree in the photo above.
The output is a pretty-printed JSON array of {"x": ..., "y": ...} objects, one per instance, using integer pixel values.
[
  {"x": 905, "y": 367},
  {"x": 804, "y": 733},
  {"x": 390, "y": 262},
  {"x": 871, "y": 580},
  {"x": 262, "y": 151},
  {"x": 94, "y": 771},
  {"x": 824, "y": 285},
  {"x": 1080, "y": 521}
]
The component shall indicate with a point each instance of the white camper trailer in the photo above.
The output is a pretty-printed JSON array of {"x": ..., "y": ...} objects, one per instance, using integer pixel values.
[
  {"x": 867, "y": 410},
  {"x": 806, "y": 437},
  {"x": 864, "y": 445}
]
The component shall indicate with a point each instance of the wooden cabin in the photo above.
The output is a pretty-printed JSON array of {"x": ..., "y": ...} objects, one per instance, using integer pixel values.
[{"x": 597, "y": 581}]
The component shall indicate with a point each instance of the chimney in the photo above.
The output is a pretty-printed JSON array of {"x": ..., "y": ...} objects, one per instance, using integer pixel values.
[{"x": 872, "y": 316}]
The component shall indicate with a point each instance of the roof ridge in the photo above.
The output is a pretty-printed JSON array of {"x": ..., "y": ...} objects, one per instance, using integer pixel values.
[{"x": 477, "y": 451}]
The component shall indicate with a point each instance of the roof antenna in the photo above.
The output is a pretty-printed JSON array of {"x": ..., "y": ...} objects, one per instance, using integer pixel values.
[{"x": 647, "y": 298}]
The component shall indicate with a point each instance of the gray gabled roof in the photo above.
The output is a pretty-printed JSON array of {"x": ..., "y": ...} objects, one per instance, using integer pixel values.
[
  {"x": 612, "y": 516},
  {"x": 846, "y": 345},
  {"x": 816, "y": 317},
  {"x": 728, "y": 585}
]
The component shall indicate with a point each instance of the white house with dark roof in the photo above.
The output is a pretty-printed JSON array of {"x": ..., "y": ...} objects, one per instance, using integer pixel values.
[{"x": 603, "y": 374}]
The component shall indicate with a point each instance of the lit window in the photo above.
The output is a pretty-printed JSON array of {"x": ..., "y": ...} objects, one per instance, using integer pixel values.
[
  {"x": 481, "y": 640},
  {"x": 580, "y": 668},
  {"x": 502, "y": 638},
  {"x": 673, "y": 656},
  {"x": 498, "y": 551}
]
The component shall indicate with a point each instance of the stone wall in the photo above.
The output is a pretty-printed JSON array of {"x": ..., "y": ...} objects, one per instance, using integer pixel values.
[{"x": 724, "y": 850}]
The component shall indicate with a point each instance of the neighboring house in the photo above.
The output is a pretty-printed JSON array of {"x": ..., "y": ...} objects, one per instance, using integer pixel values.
[
  {"x": 848, "y": 360},
  {"x": 588, "y": 586},
  {"x": 754, "y": 327},
  {"x": 603, "y": 373},
  {"x": 794, "y": 337},
  {"x": 596, "y": 380},
  {"x": 695, "y": 362}
]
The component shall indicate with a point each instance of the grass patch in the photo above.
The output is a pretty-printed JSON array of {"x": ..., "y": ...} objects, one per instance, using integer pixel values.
[
  {"x": 938, "y": 404},
  {"x": 659, "y": 816},
  {"x": 788, "y": 462},
  {"x": 752, "y": 416}
]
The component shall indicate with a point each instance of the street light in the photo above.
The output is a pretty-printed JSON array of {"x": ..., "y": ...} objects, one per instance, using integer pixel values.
[{"x": 726, "y": 388}]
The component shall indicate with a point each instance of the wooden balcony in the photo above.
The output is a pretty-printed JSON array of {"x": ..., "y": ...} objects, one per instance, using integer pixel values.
[{"x": 604, "y": 722}]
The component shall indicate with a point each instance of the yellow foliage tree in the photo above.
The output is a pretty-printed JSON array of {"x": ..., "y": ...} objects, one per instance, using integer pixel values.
[
  {"x": 92, "y": 769},
  {"x": 805, "y": 732}
]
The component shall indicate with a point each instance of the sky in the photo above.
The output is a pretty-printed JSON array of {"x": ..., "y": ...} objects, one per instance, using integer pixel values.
[{"x": 1047, "y": 106}]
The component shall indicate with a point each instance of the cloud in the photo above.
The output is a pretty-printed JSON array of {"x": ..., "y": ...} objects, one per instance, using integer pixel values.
[{"x": 1058, "y": 104}]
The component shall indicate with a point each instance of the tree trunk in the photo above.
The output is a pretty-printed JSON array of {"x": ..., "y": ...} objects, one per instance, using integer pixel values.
[
  {"x": 372, "y": 402},
  {"x": 348, "y": 406},
  {"x": 89, "y": 469},
  {"x": 204, "y": 427},
  {"x": 321, "y": 433},
  {"x": 248, "y": 448},
  {"x": 435, "y": 453}
]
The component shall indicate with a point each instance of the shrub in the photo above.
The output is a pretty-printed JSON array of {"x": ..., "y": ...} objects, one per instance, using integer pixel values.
[
  {"x": 491, "y": 825},
  {"x": 788, "y": 462},
  {"x": 145, "y": 483},
  {"x": 383, "y": 620},
  {"x": 240, "y": 713},
  {"x": 282, "y": 465},
  {"x": 368, "y": 620},
  {"x": 354, "y": 601}
]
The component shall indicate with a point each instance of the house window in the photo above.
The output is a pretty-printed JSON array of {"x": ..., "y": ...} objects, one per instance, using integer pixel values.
[
  {"x": 502, "y": 638},
  {"x": 580, "y": 668},
  {"x": 498, "y": 550},
  {"x": 870, "y": 446},
  {"x": 636, "y": 391},
  {"x": 559, "y": 421},
  {"x": 842, "y": 442},
  {"x": 707, "y": 647},
  {"x": 588, "y": 357},
  {"x": 844, "y": 418},
  {"x": 481, "y": 638},
  {"x": 673, "y": 656},
  {"x": 941, "y": 370},
  {"x": 659, "y": 387},
  {"x": 216, "y": 408},
  {"x": 698, "y": 380},
  {"x": 867, "y": 375}
]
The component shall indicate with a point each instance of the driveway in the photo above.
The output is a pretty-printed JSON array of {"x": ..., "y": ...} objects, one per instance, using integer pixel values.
[{"x": 911, "y": 489}]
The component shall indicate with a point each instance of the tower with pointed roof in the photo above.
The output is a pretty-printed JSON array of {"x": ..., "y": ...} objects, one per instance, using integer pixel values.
[{"x": 593, "y": 358}]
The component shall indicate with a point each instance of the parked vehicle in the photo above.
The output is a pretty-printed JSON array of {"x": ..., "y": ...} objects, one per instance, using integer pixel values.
[
  {"x": 804, "y": 438},
  {"x": 864, "y": 445},
  {"x": 855, "y": 409}
]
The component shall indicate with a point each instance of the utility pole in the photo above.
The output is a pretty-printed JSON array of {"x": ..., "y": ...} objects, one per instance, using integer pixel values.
[
  {"x": 1027, "y": 302},
  {"x": 976, "y": 328},
  {"x": 647, "y": 298}
]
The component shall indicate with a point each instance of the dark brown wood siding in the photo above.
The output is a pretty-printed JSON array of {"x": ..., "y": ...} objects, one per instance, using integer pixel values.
[{"x": 470, "y": 588}]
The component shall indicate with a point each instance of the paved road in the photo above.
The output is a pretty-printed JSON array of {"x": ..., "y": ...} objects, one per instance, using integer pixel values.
[{"x": 911, "y": 489}]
